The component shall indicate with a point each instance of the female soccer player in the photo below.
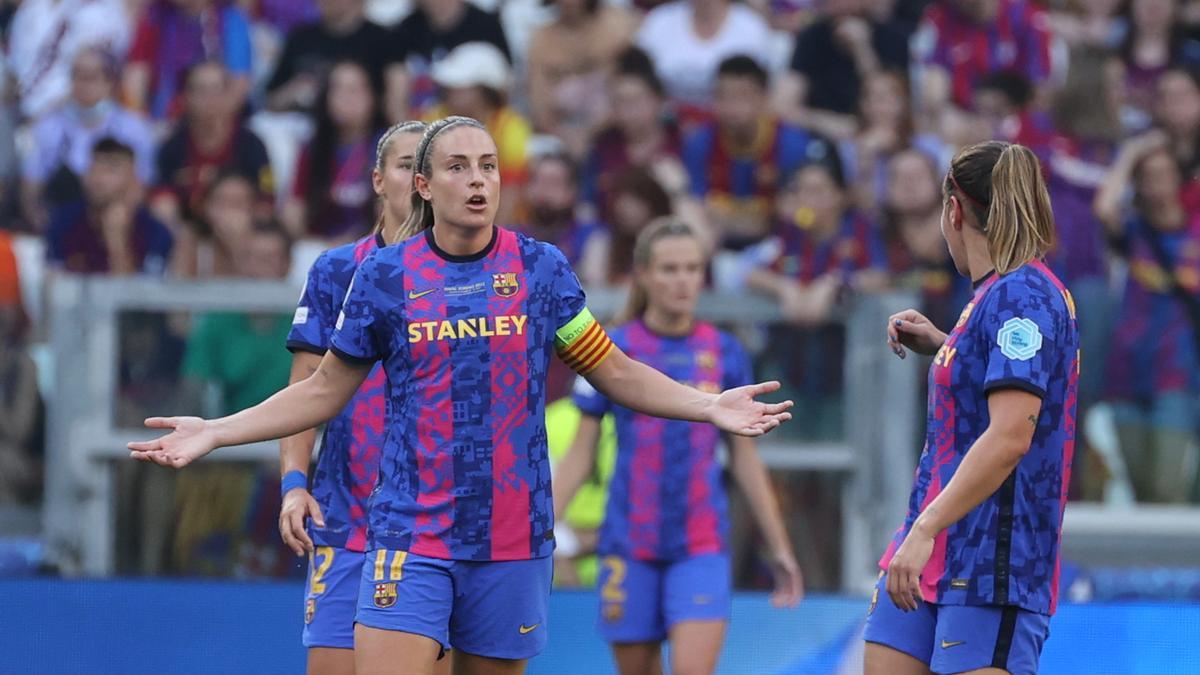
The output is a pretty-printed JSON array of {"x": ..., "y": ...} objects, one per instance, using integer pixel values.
[
  {"x": 972, "y": 575},
  {"x": 664, "y": 542},
  {"x": 349, "y": 460},
  {"x": 464, "y": 318}
]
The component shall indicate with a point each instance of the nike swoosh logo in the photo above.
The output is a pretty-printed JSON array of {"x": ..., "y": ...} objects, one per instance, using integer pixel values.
[
  {"x": 525, "y": 630},
  {"x": 948, "y": 645},
  {"x": 413, "y": 295}
]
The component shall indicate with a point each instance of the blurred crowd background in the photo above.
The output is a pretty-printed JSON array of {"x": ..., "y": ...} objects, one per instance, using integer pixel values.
[{"x": 808, "y": 139}]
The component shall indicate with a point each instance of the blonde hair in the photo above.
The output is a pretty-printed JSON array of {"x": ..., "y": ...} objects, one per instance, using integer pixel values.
[
  {"x": 1002, "y": 184},
  {"x": 420, "y": 215},
  {"x": 382, "y": 148},
  {"x": 643, "y": 250}
]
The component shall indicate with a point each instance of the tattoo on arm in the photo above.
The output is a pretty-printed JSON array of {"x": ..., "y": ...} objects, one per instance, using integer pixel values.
[{"x": 1033, "y": 419}]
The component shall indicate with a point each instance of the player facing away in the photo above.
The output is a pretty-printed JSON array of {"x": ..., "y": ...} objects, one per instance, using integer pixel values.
[
  {"x": 663, "y": 546},
  {"x": 349, "y": 460},
  {"x": 464, "y": 317},
  {"x": 972, "y": 575}
]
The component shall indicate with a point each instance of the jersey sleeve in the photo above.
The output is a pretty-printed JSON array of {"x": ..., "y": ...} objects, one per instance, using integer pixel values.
[
  {"x": 358, "y": 336},
  {"x": 316, "y": 313},
  {"x": 1021, "y": 327},
  {"x": 588, "y": 399},
  {"x": 738, "y": 371},
  {"x": 579, "y": 339}
]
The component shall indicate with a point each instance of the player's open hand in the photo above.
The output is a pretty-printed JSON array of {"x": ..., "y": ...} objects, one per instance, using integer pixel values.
[
  {"x": 736, "y": 411},
  {"x": 911, "y": 329},
  {"x": 190, "y": 439},
  {"x": 904, "y": 572},
  {"x": 789, "y": 583},
  {"x": 298, "y": 505}
]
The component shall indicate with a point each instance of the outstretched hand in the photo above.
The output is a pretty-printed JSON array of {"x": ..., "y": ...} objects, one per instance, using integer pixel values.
[
  {"x": 736, "y": 411},
  {"x": 190, "y": 439},
  {"x": 911, "y": 329}
]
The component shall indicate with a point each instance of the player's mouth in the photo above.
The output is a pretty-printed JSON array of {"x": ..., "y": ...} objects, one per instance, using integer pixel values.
[{"x": 477, "y": 203}]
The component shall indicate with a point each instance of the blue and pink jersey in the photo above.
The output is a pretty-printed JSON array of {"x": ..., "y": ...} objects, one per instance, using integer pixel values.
[
  {"x": 1153, "y": 345},
  {"x": 349, "y": 459},
  {"x": 465, "y": 342},
  {"x": 1019, "y": 331},
  {"x": 1016, "y": 39},
  {"x": 665, "y": 500}
]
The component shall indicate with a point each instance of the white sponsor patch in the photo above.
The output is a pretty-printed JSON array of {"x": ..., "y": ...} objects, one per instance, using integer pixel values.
[
  {"x": 1019, "y": 339},
  {"x": 341, "y": 318},
  {"x": 301, "y": 316}
]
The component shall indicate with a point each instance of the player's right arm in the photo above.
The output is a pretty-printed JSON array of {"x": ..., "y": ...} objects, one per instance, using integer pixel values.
[
  {"x": 300, "y": 406},
  {"x": 295, "y": 453}
]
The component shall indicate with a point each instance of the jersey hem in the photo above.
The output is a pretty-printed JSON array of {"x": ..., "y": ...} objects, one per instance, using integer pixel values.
[
  {"x": 1014, "y": 383},
  {"x": 294, "y": 346},
  {"x": 351, "y": 358}
]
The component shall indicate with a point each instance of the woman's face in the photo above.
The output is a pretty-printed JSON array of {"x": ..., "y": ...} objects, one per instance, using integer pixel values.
[
  {"x": 1178, "y": 103},
  {"x": 912, "y": 186},
  {"x": 464, "y": 187},
  {"x": 229, "y": 210},
  {"x": 674, "y": 276},
  {"x": 630, "y": 213},
  {"x": 635, "y": 106},
  {"x": 884, "y": 101},
  {"x": 1153, "y": 15},
  {"x": 393, "y": 184},
  {"x": 818, "y": 194},
  {"x": 351, "y": 100},
  {"x": 1158, "y": 180}
]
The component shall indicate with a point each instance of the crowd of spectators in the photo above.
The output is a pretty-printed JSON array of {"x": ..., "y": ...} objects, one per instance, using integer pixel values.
[{"x": 808, "y": 139}]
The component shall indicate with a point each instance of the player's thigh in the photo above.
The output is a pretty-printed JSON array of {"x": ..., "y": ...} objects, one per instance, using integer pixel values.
[
  {"x": 1006, "y": 639},
  {"x": 631, "y": 601},
  {"x": 330, "y": 661},
  {"x": 986, "y": 671},
  {"x": 696, "y": 646},
  {"x": 883, "y": 660},
  {"x": 471, "y": 664},
  {"x": 501, "y": 609},
  {"x": 898, "y": 641},
  {"x": 379, "y": 651},
  {"x": 331, "y": 600},
  {"x": 638, "y": 658}
]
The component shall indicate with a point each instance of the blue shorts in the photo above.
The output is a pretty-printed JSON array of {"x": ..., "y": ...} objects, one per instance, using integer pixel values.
[
  {"x": 496, "y": 609},
  {"x": 958, "y": 638},
  {"x": 641, "y": 600},
  {"x": 331, "y": 597}
]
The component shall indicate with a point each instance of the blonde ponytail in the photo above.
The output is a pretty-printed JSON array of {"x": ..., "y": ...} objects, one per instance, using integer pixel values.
[
  {"x": 643, "y": 250},
  {"x": 1002, "y": 185}
]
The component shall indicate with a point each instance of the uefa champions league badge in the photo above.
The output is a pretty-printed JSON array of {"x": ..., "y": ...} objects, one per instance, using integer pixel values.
[{"x": 1019, "y": 339}]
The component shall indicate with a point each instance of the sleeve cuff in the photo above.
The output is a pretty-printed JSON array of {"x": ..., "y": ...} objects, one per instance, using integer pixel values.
[
  {"x": 1015, "y": 383},
  {"x": 351, "y": 358},
  {"x": 294, "y": 346}
]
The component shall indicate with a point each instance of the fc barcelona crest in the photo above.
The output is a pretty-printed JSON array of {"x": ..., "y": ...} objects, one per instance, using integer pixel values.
[
  {"x": 505, "y": 284},
  {"x": 310, "y": 609},
  {"x": 385, "y": 595}
]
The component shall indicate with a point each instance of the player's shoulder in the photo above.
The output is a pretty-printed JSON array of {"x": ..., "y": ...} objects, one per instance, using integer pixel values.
[
  {"x": 538, "y": 255},
  {"x": 1031, "y": 288}
]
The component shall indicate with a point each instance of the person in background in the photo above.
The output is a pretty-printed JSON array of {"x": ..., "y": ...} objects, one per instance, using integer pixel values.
[
  {"x": 208, "y": 245},
  {"x": 639, "y": 135},
  {"x": 886, "y": 127},
  {"x": 45, "y": 36},
  {"x": 688, "y": 39},
  {"x": 427, "y": 35},
  {"x": 21, "y": 411},
  {"x": 918, "y": 259},
  {"x": 109, "y": 231},
  {"x": 174, "y": 35},
  {"x": 211, "y": 137},
  {"x": 1177, "y": 112},
  {"x": 833, "y": 59},
  {"x": 473, "y": 81},
  {"x": 638, "y": 199},
  {"x": 1088, "y": 23},
  {"x": 332, "y": 198},
  {"x": 1002, "y": 108},
  {"x": 993, "y": 35},
  {"x": 568, "y": 62},
  {"x": 310, "y": 51},
  {"x": 735, "y": 162},
  {"x": 1153, "y": 374},
  {"x": 1157, "y": 39},
  {"x": 821, "y": 247},
  {"x": 63, "y": 139}
]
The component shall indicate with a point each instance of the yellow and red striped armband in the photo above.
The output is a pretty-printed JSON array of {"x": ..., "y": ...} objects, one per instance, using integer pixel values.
[{"x": 582, "y": 344}]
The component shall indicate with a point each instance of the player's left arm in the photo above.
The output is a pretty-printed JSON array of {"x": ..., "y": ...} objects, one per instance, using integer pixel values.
[{"x": 751, "y": 476}]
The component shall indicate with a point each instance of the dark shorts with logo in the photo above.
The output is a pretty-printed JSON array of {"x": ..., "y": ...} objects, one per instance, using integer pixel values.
[
  {"x": 956, "y": 638},
  {"x": 496, "y": 609}
]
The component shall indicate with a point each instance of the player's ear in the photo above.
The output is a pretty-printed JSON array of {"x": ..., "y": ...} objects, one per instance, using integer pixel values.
[
  {"x": 954, "y": 212},
  {"x": 421, "y": 185}
]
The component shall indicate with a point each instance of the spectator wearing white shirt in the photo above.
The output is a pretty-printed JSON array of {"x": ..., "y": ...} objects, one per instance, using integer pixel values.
[
  {"x": 44, "y": 38},
  {"x": 62, "y": 140},
  {"x": 687, "y": 39}
]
